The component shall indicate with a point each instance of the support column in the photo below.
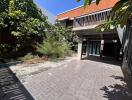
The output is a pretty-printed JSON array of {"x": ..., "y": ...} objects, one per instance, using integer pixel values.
[
  {"x": 80, "y": 42},
  {"x": 87, "y": 49},
  {"x": 101, "y": 47}
]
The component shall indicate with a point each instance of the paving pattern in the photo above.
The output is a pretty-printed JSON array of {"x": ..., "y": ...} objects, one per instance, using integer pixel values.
[
  {"x": 79, "y": 80},
  {"x": 10, "y": 87}
]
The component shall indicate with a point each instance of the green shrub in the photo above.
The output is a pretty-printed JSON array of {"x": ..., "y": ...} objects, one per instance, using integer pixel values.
[
  {"x": 52, "y": 47},
  {"x": 29, "y": 56},
  {"x": 22, "y": 24}
]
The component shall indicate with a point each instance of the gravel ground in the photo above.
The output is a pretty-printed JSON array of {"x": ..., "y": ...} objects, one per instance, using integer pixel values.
[{"x": 24, "y": 71}]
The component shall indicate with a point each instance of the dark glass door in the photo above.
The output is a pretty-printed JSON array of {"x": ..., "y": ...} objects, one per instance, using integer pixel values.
[{"x": 94, "y": 48}]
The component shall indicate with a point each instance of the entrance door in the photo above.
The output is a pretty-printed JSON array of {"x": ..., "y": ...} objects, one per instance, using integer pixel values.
[
  {"x": 94, "y": 48},
  {"x": 109, "y": 49}
]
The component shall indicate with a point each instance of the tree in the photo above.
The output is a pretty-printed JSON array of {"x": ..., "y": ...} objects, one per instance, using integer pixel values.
[
  {"x": 22, "y": 25},
  {"x": 58, "y": 42},
  {"x": 121, "y": 12},
  {"x": 68, "y": 34}
]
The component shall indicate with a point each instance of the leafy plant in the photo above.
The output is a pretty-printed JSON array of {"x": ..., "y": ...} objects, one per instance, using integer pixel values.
[
  {"x": 52, "y": 47},
  {"x": 22, "y": 25},
  {"x": 28, "y": 56},
  {"x": 62, "y": 33}
]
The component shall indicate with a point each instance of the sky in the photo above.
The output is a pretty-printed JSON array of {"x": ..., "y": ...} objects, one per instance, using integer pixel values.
[{"x": 58, "y": 6}]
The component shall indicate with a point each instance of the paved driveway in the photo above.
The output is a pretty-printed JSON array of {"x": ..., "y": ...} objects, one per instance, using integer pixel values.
[{"x": 79, "y": 80}]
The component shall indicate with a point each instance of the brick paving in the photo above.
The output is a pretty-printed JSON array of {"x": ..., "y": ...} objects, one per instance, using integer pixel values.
[
  {"x": 79, "y": 80},
  {"x": 10, "y": 87}
]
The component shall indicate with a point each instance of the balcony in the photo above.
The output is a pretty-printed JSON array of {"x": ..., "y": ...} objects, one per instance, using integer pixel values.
[{"x": 90, "y": 21}]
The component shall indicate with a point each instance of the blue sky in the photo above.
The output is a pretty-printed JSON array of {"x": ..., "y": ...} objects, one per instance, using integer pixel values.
[{"x": 57, "y": 6}]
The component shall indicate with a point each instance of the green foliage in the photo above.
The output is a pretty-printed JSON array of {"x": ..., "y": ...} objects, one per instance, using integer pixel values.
[
  {"x": 121, "y": 12},
  {"x": 5, "y": 50},
  {"x": 28, "y": 56},
  {"x": 123, "y": 9},
  {"x": 4, "y": 5},
  {"x": 21, "y": 27},
  {"x": 11, "y": 6},
  {"x": 88, "y": 2},
  {"x": 58, "y": 42},
  {"x": 62, "y": 33},
  {"x": 53, "y": 47}
]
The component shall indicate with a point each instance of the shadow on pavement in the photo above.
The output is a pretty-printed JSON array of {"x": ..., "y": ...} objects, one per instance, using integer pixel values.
[
  {"x": 107, "y": 60},
  {"x": 118, "y": 91},
  {"x": 10, "y": 87}
]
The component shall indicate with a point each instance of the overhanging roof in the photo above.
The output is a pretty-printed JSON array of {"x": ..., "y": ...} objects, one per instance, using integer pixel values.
[{"x": 79, "y": 11}]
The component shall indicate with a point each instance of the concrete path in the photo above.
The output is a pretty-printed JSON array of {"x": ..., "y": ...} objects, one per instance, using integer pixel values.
[{"x": 79, "y": 80}]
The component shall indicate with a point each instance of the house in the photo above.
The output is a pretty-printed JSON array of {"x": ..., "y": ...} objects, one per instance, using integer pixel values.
[{"x": 83, "y": 23}]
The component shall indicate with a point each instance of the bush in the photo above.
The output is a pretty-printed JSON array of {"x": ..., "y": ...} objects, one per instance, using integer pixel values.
[
  {"x": 62, "y": 49},
  {"x": 27, "y": 57},
  {"x": 52, "y": 47},
  {"x": 22, "y": 24}
]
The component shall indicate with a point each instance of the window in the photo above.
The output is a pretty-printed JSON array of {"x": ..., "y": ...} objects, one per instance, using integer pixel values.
[{"x": 94, "y": 48}]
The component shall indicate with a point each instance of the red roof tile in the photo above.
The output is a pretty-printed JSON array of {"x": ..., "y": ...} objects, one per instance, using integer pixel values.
[{"x": 104, "y": 4}]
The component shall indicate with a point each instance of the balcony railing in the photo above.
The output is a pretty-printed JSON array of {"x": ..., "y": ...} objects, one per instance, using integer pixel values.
[{"x": 91, "y": 19}]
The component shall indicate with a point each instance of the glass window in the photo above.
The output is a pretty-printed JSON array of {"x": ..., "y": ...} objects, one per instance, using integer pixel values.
[{"x": 94, "y": 48}]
